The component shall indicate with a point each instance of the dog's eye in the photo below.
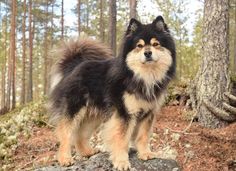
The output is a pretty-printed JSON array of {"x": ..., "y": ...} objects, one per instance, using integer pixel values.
[
  {"x": 155, "y": 44},
  {"x": 140, "y": 46}
]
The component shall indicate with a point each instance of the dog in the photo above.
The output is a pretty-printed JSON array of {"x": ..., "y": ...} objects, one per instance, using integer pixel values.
[{"x": 90, "y": 87}]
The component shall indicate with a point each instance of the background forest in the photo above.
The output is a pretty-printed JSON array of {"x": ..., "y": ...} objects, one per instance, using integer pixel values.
[{"x": 30, "y": 31}]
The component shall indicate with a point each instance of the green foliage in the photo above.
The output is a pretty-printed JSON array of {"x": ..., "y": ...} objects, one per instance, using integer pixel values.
[{"x": 17, "y": 123}]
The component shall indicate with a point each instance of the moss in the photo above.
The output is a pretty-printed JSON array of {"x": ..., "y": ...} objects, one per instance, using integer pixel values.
[{"x": 21, "y": 119}]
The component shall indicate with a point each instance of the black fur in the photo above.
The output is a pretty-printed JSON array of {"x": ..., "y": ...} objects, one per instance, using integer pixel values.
[{"x": 102, "y": 83}]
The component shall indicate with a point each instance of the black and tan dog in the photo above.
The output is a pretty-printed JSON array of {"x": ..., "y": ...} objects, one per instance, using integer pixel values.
[{"x": 90, "y": 87}]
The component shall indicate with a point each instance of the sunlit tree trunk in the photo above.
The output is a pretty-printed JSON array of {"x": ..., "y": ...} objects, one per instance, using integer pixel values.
[
  {"x": 22, "y": 98},
  {"x": 102, "y": 31},
  {"x": 78, "y": 10},
  {"x": 31, "y": 30},
  {"x": 4, "y": 105},
  {"x": 45, "y": 89},
  {"x": 212, "y": 79},
  {"x": 87, "y": 15},
  {"x": 235, "y": 38},
  {"x": 62, "y": 19},
  {"x": 133, "y": 8},
  {"x": 12, "y": 51},
  {"x": 112, "y": 25}
]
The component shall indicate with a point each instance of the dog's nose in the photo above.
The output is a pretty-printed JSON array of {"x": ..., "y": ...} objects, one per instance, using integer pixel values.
[{"x": 148, "y": 54}]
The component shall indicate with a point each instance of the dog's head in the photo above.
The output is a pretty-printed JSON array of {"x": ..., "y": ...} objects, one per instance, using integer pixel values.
[{"x": 149, "y": 49}]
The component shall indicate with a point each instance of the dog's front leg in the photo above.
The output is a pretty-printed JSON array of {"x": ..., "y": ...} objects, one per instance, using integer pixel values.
[
  {"x": 142, "y": 138},
  {"x": 117, "y": 134}
]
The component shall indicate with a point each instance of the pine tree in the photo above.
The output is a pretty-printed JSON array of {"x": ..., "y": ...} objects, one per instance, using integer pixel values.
[
  {"x": 210, "y": 84},
  {"x": 12, "y": 51},
  {"x": 23, "y": 54},
  {"x": 112, "y": 25},
  {"x": 31, "y": 32},
  {"x": 133, "y": 8},
  {"x": 102, "y": 32}
]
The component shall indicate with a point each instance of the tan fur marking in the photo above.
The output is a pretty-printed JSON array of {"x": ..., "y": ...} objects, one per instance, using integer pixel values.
[
  {"x": 139, "y": 49},
  {"x": 63, "y": 132},
  {"x": 134, "y": 104},
  {"x": 150, "y": 72},
  {"x": 142, "y": 139},
  {"x": 83, "y": 134},
  {"x": 141, "y": 41},
  {"x": 154, "y": 40},
  {"x": 116, "y": 136}
]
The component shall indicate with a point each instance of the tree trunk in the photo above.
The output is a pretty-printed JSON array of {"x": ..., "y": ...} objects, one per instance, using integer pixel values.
[
  {"x": 235, "y": 38},
  {"x": 212, "y": 79},
  {"x": 12, "y": 51},
  {"x": 133, "y": 8},
  {"x": 3, "y": 86},
  {"x": 3, "y": 90},
  {"x": 62, "y": 19},
  {"x": 87, "y": 15},
  {"x": 9, "y": 81},
  {"x": 102, "y": 30},
  {"x": 3, "y": 97},
  {"x": 30, "y": 83},
  {"x": 112, "y": 25},
  {"x": 22, "y": 100},
  {"x": 45, "y": 89},
  {"x": 78, "y": 10}
]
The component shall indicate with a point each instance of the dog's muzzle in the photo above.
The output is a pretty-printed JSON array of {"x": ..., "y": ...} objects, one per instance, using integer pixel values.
[{"x": 148, "y": 55}]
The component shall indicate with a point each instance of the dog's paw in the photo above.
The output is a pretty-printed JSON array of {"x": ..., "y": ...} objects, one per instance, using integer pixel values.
[
  {"x": 148, "y": 155},
  {"x": 121, "y": 165},
  {"x": 89, "y": 152},
  {"x": 65, "y": 161}
]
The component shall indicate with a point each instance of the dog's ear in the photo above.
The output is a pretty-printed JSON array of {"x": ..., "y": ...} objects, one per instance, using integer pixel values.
[
  {"x": 159, "y": 24},
  {"x": 133, "y": 27}
]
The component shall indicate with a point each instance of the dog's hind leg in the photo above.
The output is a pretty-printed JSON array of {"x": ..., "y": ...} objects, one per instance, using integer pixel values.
[
  {"x": 63, "y": 132},
  {"x": 84, "y": 132},
  {"x": 142, "y": 138},
  {"x": 116, "y": 135}
]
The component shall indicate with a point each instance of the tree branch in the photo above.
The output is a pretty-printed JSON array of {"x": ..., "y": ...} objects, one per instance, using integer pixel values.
[
  {"x": 229, "y": 108},
  {"x": 218, "y": 112},
  {"x": 230, "y": 96}
]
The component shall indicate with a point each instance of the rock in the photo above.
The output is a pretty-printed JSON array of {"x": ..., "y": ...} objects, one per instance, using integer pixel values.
[{"x": 100, "y": 162}]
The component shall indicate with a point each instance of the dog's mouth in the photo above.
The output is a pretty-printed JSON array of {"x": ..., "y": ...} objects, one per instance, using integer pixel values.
[{"x": 149, "y": 61}]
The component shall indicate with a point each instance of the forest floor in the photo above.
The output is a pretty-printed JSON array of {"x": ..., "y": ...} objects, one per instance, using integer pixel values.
[{"x": 196, "y": 148}]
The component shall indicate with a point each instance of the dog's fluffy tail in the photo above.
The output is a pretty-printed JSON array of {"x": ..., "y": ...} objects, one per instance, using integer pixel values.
[
  {"x": 70, "y": 55},
  {"x": 74, "y": 52}
]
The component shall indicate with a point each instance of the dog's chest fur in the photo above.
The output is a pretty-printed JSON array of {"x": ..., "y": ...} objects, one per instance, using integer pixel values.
[{"x": 141, "y": 107}]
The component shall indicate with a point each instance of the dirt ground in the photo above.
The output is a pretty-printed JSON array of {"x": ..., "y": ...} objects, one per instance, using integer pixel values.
[{"x": 197, "y": 148}]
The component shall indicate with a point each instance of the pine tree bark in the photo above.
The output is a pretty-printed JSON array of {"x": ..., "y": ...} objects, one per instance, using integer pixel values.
[
  {"x": 212, "y": 78},
  {"x": 3, "y": 86},
  {"x": 78, "y": 10},
  {"x": 62, "y": 19},
  {"x": 112, "y": 25},
  {"x": 12, "y": 51},
  {"x": 235, "y": 37},
  {"x": 133, "y": 8},
  {"x": 3, "y": 89},
  {"x": 22, "y": 100},
  {"x": 45, "y": 89},
  {"x": 102, "y": 30},
  {"x": 31, "y": 30},
  {"x": 87, "y": 15},
  {"x": 3, "y": 93}
]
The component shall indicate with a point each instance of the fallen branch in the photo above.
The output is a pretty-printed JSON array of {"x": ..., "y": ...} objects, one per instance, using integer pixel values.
[
  {"x": 185, "y": 130},
  {"x": 223, "y": 115}
]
